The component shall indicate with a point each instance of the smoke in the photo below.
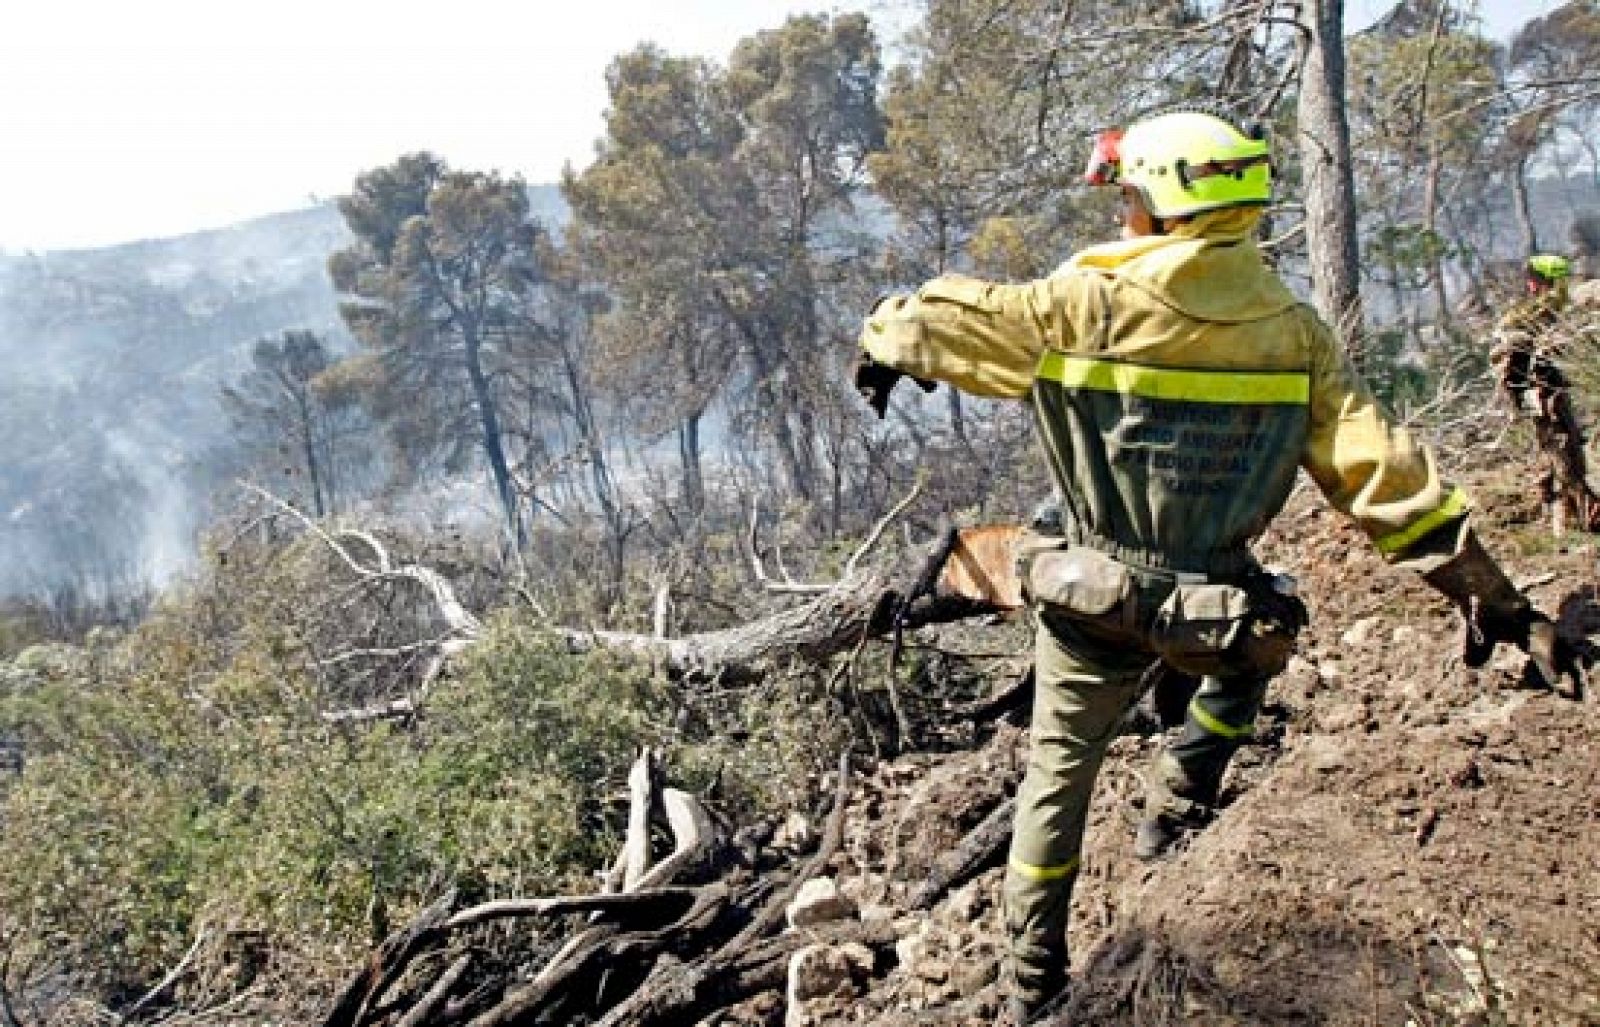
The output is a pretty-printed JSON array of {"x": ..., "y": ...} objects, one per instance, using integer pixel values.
[
  {"x": 1583, "y": 238},
  {"x": 163, "y": 545},
  {"x": 112, "y": 437}
]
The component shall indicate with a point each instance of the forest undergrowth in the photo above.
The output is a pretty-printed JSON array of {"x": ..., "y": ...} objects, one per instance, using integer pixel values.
[{"x": 188, "y": 835}]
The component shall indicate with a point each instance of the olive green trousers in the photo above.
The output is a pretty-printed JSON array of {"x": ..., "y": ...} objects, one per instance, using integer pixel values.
[{"x": 1085, "y": 684}]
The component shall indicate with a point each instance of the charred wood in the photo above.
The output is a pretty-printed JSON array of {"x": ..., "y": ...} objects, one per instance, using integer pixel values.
[
  {"x": 983, "y": 847},
  {"x": 386, "y": 965}
]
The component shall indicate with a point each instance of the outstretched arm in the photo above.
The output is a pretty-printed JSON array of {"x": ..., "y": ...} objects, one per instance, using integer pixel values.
[
  {"x": 981, "y": 337},
  {"x": 1389, "y": 483}
]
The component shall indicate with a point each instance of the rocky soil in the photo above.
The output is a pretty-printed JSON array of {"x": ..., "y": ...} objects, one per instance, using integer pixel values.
[{"x": 1409, "y": 841}]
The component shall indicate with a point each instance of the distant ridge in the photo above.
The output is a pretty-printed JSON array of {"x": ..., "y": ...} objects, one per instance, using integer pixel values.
[{"x": 112, "y": 436}]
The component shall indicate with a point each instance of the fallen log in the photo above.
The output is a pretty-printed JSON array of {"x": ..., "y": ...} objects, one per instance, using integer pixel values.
[
  {"x": 982, "y": 848},
  {"x": 961, "y": 574},
  {"x": 811, "y": 632}
]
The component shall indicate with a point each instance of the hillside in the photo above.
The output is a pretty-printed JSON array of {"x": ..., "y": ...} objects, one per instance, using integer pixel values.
[
  {"x": 1410, "y": 842},
  {"x": 112, "y": 437}
]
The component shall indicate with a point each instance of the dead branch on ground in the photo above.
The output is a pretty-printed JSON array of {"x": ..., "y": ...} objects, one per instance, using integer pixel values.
[
  {"x": 657, "y": 952},
  {"x": 920, "y": 588}
]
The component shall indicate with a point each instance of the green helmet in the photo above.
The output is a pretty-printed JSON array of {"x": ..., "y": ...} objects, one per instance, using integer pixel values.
[
  {"x": 1186, "y": 162},
  {"x": 1549, "y": 267}
]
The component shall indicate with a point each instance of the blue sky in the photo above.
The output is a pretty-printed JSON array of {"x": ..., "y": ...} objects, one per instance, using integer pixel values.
[
  {"x": 1500, "y": 17},
  {"x": 126, "y": 119}
]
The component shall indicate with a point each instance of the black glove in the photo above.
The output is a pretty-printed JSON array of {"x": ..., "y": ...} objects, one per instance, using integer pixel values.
[
  {"x": 1552, "y": 660},
  {"x": 1495, "y": 612},
  {"x": 875, "y": 381}
]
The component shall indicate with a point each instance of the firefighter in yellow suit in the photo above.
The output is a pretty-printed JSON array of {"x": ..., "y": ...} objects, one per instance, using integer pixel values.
[
  {"x": 1178, "y": 388},
  {"x": 1527, "y": 358}
]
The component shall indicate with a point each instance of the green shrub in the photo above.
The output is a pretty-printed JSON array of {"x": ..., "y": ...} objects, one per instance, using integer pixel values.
[{"x": 180, "y": 796}]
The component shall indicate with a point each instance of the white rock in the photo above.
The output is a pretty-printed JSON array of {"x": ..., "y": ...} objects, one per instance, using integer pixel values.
[
  {"x": 918, "y": 958},
  {"x": 795, "y": 832},
  {"x": 819, "y": 902},
  {"x": 1326, "y": 755},
  {"x": 1361, "y": 632},
  {"x": 859, "y": 957},
  {"x": 1336, "y": 717},
  {"x": 1509, "y": 660}
]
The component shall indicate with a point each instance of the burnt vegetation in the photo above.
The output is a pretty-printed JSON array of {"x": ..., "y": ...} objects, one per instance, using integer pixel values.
[{"x": 567, "y": 643}]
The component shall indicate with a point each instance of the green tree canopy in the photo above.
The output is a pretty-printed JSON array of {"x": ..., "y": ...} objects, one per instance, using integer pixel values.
[
  {"x": 704, "y": 214},
  {"x": 438, "y": 283}
]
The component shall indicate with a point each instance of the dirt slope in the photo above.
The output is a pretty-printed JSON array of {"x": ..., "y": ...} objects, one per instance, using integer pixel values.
[{"x": 1410, "y": 841}]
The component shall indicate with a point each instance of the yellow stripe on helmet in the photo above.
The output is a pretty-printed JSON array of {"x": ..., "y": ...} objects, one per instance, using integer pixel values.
[{"x": 1266, "y": 387}]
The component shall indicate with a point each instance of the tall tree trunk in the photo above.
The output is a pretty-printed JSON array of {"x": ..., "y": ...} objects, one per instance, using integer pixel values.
[
  {"x": 757, "y": 337},
  {"x": 1470, "y": 261},
  {"x": 1331, "y": 241},
  {"x": 694, "y": 488},
  {"x": 309, "y": 443},
  {"x": 1430, "y": 225},
  {"x": 601, "y": 481},
  {"x": 777, "y": 418},
  {"x": 328, "y": 454},
  {"x": 1524, "y": 210},
  {"x": 489, "y": 427}
]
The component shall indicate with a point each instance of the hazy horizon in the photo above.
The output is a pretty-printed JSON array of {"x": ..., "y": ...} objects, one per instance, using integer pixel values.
[{"x": 177, "y": 117}]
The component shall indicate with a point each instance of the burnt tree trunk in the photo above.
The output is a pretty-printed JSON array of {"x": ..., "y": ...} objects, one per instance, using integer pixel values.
[
  {"x": 1330, "y": 194},
  {"x": 834, "y": 622}
]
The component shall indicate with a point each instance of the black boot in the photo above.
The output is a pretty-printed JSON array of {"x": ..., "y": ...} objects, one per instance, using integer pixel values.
[
  {"x": 1021, "y": 1010},
  {"x": 1162, "y": 834},
  {"x": 1033, "y": 1001}
]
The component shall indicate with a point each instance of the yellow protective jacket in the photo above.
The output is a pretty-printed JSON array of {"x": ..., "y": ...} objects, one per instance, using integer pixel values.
[
  {"x": 1177, "y": 386},
  {"x": 1536, "y": 313}
]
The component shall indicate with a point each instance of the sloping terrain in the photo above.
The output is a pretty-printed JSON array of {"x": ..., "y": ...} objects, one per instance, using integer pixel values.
[
  {"x": 1407, "y": 842},
  {"x": 1410, "y": 840}
]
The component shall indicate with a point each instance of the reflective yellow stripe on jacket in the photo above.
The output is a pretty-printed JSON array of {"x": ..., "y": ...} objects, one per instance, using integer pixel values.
[
  {"x": 1176, "y": 384},
  {"x": 1454, "y": 507}
]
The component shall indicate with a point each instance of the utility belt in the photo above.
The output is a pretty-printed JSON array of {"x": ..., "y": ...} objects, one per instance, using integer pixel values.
[
  {"x": 1232, "y": 618},
  {"x": 1216, "y": 565}
]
